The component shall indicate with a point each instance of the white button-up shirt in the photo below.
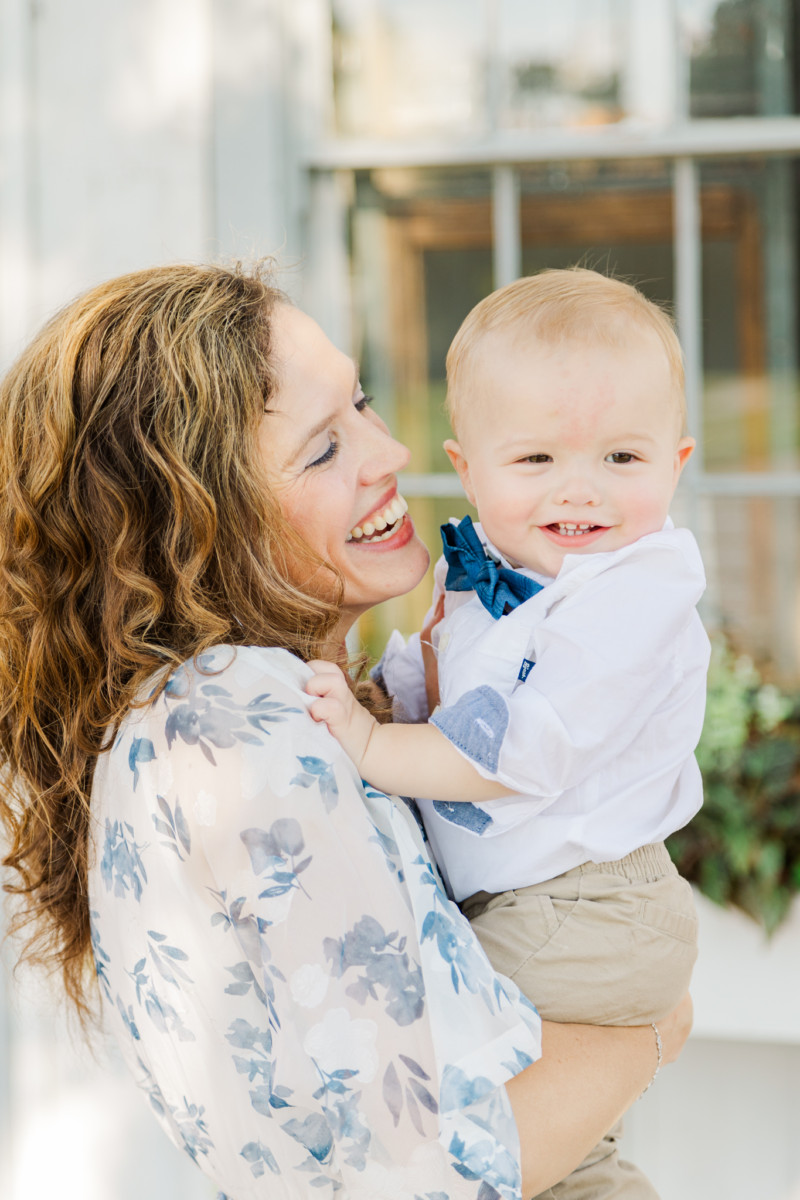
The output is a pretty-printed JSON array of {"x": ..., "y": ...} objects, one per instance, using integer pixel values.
[{"x": 588, "y": 700}]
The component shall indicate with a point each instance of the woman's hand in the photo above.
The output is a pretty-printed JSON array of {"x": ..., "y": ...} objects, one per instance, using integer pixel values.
[
  {"x": 337, "y": 707},
  {"x": 675, "y": 1029}
]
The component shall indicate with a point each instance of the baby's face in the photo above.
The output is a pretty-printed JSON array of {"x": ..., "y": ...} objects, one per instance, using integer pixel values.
[{"x": 569, "y": 449}]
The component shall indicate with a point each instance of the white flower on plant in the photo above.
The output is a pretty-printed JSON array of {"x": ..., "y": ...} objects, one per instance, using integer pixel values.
[
  {"x": 308, "y": 985},
  {"x": 772, "y": 707},
  {"x": 745, "y": 671},
  {"x": 340, "y": 1042}
]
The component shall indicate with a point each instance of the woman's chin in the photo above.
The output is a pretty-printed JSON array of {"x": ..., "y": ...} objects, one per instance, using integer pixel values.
[{"x": 378, "y": 571}]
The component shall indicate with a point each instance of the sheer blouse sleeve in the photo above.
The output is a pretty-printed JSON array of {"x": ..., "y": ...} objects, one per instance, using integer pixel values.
[{"x": 306, "y": 1010}]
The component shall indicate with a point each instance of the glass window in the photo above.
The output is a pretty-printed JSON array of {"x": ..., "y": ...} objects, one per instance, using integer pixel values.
[
  {"x": 740, "y": 57},
  {"x": 751, "y": 549},
  {"x": 614, "y": 216},
  {"x": 562, "y": 63},
  {"x": 405, "y": 67},
  {"x": 750, "y": 315}
]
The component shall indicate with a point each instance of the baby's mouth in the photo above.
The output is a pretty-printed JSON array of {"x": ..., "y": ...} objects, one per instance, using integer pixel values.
[
  {"x": 382, "y": 524},
  {"x": 568, "y": 529}
]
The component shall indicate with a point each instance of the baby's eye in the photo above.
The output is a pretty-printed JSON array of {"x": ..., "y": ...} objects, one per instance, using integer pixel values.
[
  {"x": 537, "y": 458},
  {"x": 621, "y": 456}
]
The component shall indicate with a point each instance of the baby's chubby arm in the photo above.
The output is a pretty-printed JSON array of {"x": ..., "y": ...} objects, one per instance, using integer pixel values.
[{"x": 408, "y": 760}]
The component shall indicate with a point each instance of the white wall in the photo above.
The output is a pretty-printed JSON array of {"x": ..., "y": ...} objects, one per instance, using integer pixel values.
[
  {"x": 137, "y": 132},
  {"x": 132, "y": 132}
]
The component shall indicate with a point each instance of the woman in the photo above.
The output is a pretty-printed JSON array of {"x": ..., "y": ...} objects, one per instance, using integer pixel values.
[{"x": 191, "y": 472}]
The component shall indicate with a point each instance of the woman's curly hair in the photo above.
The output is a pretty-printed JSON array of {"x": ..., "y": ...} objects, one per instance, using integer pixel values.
[{"x": 136, "y": 530}]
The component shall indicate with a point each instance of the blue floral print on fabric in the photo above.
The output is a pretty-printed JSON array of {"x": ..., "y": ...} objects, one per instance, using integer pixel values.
[{"x": 286, "y": 977}]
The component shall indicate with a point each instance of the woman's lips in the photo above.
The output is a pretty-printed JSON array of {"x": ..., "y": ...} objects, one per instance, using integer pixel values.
[{"x": 382, "y": 524}]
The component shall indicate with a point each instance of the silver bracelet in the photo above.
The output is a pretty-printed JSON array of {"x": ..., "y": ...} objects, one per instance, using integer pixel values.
[{"x": 660, "y": 1052}]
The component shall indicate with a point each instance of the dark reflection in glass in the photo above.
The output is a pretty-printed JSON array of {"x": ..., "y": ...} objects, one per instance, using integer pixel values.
[
  {"x": 750, "y": 315},
  {"x": 740, "y": 57}
]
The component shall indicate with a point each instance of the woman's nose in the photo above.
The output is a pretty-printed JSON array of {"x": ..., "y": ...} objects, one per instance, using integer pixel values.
[{"x": 382, "y": 455}]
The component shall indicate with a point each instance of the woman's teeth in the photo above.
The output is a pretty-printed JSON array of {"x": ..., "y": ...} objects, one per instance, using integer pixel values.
[
  {"x": 382, "y": 524},
  {"x": 567, "y": 529}
]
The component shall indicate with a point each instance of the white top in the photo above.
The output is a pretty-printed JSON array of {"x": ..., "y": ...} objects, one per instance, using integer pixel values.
[
  {"x": 306, "y": 1011},
  {"x": 599, "y": 737}
]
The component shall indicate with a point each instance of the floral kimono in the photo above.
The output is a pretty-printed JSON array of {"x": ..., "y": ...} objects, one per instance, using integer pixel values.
[{"x": 306, "y": 1010}]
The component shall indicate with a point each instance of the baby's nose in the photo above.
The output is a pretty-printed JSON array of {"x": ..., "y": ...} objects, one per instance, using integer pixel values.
[{"x": 578, "y": 490}]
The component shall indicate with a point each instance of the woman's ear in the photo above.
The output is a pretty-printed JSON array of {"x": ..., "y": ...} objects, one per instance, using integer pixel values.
[{"x": 456, "y": 455}]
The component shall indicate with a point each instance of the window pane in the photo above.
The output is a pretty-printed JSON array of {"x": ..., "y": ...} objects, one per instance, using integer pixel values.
[
  {"x": 615, "y": 217},
  {"x": 562, "y": 63},
  {"x": 740, "y": 56},
  {"x": 751, "y": 548},
  {"x": 404, "y": 67},
  {"x": 750, "y": 315}
]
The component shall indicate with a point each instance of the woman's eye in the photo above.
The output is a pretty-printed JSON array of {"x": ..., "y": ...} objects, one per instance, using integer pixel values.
[
  {"x": 621, "y": 456},
  {"x": 331, "y": 452},
  {"x": 363, "y": 403}
]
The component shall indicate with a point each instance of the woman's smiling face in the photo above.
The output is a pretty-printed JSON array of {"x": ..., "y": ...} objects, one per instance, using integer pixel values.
[{"x": 331, "y": 462}]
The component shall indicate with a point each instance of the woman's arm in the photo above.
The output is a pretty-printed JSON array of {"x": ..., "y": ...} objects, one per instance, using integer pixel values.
[{"x": 585, "y": 1080}]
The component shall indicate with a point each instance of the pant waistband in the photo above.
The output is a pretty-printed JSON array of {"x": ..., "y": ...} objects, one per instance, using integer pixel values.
[{"x": 648, "y": 864}]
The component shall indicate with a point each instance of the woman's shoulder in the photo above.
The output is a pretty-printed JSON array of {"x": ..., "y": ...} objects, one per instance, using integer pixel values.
[
  {"x": 254, "y": 677},
  {"x": 224, "y": 704},
  {"x": 240, "y": 669}
]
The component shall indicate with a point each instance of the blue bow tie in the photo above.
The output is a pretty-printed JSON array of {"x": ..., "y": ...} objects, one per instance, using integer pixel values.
[{"x": 469, "y": 568}]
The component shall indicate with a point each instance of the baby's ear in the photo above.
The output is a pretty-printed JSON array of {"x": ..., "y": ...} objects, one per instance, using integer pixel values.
[
  {"x": 457, "y": 458},
  {"x": 683, "y": 453}
]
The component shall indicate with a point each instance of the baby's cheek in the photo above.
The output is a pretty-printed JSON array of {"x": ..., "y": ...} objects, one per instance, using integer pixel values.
[{"x": 648, "y": 510}]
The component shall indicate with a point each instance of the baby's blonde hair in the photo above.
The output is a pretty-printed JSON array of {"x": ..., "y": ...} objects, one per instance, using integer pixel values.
[{"x": 575, "y": 304}]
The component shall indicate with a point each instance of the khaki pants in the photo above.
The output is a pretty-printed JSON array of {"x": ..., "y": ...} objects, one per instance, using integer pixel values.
[{"x": 603, "y": 944}]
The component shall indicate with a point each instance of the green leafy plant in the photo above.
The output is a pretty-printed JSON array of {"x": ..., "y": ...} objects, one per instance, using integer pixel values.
[{"x": 743, "y": 847}]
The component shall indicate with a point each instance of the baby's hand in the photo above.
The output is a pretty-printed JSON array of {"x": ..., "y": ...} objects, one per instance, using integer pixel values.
[{"x": 337, "y": 707}]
